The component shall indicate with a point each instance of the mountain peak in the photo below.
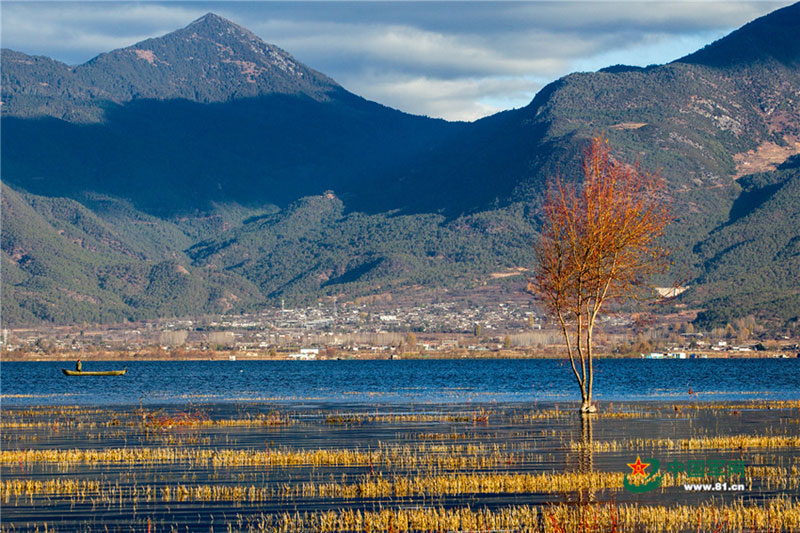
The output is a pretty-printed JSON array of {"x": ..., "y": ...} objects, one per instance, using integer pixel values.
[
  {"x": 212, "y": 25},
  {"x": 210, "y": 60},
  {"x": 771, "y": 38},
  {"x": 212, "y": 18}
]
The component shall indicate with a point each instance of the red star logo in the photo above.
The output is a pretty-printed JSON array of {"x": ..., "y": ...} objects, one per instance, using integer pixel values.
[{"x": 638, "y": 467}]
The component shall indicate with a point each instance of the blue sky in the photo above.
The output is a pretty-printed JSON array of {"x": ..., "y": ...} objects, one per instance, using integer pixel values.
[{"x": 455, "y": 60}]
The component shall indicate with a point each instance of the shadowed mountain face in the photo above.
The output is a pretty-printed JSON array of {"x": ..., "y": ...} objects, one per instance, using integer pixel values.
[
  {"x": 187, "y": 172},
  {"x": 206, "y": 114},
  {"x": 176, "y": 156},
  {"x": 770, "y": 39}
]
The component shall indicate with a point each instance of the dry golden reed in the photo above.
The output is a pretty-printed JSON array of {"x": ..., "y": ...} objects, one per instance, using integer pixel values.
[
  {"x": 373, "y": 486},
  {"x": 775, "y": 515},
  {"x": 732, "y": 442},
  {"x": 431, "y": 455}
]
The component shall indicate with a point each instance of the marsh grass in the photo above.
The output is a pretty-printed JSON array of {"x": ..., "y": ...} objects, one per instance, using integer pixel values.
[
  {"x": 776, "y": 515},
  {"x": 371, "y": 486},
  {"x": 722, "y": 442},
  {"x": 440, "y": 468},
  {"x": 407, "y": 456}
]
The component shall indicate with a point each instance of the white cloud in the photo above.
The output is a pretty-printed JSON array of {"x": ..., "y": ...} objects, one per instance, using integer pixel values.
[
  {"x": 76, "y": 32},
  {"x": 457, "y": 99},
  {"x": 407, "y": 47}
]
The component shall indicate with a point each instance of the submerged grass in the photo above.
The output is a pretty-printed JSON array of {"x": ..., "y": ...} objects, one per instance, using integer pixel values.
[
  {"x": 730, "y": 442},
  {"x": 371, "y": 486},
  {"x": 407, "y": 456},
  {"x": 497, "y": 468},
  {"x": 775, "y": 515}
]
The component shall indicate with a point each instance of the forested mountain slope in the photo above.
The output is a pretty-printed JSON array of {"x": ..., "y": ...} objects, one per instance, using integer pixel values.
[{"x": 208, "y": 171}]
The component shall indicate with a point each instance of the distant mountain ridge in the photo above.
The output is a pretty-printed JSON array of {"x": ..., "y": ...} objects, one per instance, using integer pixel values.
[
  {"x": 771, "y": 38},
  {"x": 206, "y": 114},
  {"x": 210, "y": 60},
  {"x": 207, "y": 170}
]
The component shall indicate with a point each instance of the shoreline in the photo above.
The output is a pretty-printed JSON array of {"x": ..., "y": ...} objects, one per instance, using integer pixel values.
[
  {"x": 321, "y": 405},
  {"x": 249, "y": 355}
]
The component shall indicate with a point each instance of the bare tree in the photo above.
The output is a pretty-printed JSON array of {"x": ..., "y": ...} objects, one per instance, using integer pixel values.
[{"x": 599, "y": 243}]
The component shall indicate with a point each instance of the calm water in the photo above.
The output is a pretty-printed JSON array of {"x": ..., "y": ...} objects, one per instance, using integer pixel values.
[{"x": 414, "y": 381}]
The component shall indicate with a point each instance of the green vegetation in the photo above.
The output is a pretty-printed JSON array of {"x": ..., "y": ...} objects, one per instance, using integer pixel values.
[
  {"x": 130, "y": 195},
  {"x": 66, "y": 264},
  {"x": 752, "y": 263},
  {"x": 312, "y": 248}
]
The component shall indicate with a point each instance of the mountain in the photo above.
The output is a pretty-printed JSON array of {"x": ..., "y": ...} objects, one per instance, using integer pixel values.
[
  {"x": 752, "y": 262},
  {"x": 769, "y": 39},
  {"x": 206, "y": 171},
  {"x": 204, "y": 115},
  {"x": 210, "y": 60}
]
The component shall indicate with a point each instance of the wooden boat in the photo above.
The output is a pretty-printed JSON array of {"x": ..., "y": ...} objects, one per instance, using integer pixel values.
[{"x": 95, "y": 373}]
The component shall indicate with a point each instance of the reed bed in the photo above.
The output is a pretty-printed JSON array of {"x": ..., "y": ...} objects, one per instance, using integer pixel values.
[
  {"x": 370, "y": 486},
  {"x": 622, "y": 415},
  {"x": 544, "y": 414},
  {"x": 732, "y": 442},
  {"x": 439, "y": 436},
  {"x": 61, "y": 410},
  {"x": 413, "y": 519},
  {"x": 560, "y": 414},
  {"x": 192, "y": 422},
  {"x": 357, "y": 419},
  {"x": 57, "y": 419},
  {"x": 754, "y": 404},
  {"x": 434, "y": 471},
  {"x": 775, "y": 515},
  {"x": 438, "y": 456},
  {"x": 49, "y": 487},
  {"x": 41, "y": 424}
]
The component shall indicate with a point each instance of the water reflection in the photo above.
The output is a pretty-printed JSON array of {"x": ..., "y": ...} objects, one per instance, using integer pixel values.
[{"x": 586, "y": 457}]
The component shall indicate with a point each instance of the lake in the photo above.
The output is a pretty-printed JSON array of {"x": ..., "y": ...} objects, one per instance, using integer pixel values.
[{"x": 403, "y": 381}]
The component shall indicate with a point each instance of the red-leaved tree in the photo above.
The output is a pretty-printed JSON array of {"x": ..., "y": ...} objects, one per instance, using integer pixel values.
[{"x": 600, "y": 242}]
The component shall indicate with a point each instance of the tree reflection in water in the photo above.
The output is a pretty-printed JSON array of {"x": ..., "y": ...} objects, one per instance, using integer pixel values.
[{"x": 586, "y": 458}]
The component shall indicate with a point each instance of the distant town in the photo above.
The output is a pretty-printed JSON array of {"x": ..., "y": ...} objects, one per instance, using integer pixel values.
[{"x": 366, "y": 331}]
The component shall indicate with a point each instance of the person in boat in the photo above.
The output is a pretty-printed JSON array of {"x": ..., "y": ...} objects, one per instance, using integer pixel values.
[{"x": 78, "y": 365}]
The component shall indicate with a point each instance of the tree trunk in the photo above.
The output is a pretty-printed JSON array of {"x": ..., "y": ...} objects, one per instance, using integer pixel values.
[{"x": 587, "y": 407}]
